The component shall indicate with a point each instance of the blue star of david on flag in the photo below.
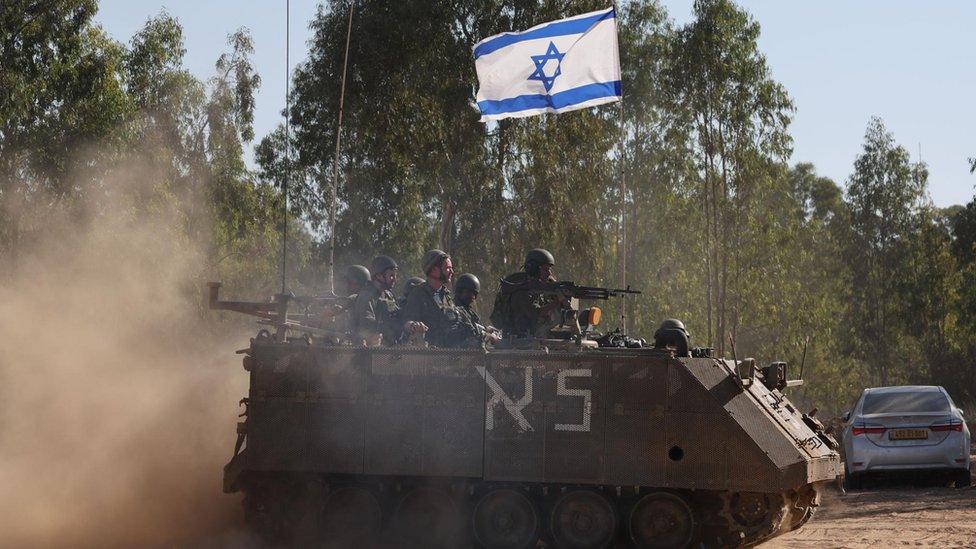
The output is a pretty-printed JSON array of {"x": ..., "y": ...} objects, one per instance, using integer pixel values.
[{"x": 540, "y": 65}]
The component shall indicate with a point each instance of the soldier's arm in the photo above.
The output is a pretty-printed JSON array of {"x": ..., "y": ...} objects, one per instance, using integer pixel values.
[
  {"x": 364, "y": 323},
  {"x": 410, "y": 315},
  {"x": 410, "y": 310}
]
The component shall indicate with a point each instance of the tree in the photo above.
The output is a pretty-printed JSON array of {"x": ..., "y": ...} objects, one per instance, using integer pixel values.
[
  {"x": 886, "y": 197},
  {"x": 79, "y": 112},
  {"x": 738, "y": 116},
  {"x": 418, "y": 168},
  {"x": 59, "y": 92}
]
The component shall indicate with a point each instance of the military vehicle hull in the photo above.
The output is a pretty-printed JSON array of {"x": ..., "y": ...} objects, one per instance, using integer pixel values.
[{"x": 457, "y": 448}]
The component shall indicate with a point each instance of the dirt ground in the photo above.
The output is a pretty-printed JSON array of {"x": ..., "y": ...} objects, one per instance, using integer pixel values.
[{"x": 891, "y": 514}]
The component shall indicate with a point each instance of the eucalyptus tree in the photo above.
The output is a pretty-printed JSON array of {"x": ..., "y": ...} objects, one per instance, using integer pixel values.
[
  {"x": 417, "y": 167},
  {"x": 886, "y": 198},
  {"x": 738, "y": 116},
  {"x": 59, "y": 91}
]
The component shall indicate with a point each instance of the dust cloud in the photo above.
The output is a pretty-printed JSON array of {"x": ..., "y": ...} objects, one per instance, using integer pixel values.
[{"x": 118, "y": 392}]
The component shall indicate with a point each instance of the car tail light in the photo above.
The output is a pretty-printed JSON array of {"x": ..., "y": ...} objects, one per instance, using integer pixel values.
[
  {"x": 865, "y": 430},
  {"x": 951, "y": 426}
]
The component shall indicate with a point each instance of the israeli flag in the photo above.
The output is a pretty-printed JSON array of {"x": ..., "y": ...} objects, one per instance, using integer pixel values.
[{"x": 554, "y": 67}]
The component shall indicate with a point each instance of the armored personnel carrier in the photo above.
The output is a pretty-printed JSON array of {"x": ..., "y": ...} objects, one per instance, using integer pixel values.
[{"x": 564, "y": 444}]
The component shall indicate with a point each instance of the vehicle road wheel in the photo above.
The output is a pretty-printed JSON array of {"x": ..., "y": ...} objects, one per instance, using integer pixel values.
[
  {"x": 428, "y": 518},
  {"x": 351, "y": 517},
  {"x": 963, "y": 478},
  {"x": 757, "y": 515},
  {"x": 582, "y": 519},
  {"x": 505, "y": 519},
  {"x": 661, "y": 520}
]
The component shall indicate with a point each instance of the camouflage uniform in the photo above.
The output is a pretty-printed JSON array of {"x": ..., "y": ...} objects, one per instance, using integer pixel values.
[
  {"x": 519, "y": 312},
  {"x": 375, "y": 312},
  {"x": 471, "y": 317},
  {"x": 410, "y": 283},
  {"x": 446, "y": 325},
  {"x": 468, "y": 312}
]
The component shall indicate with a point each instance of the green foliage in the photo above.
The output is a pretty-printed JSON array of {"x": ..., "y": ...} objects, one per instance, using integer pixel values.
[
  {"x": 58, "y": 88},
  {"x": 863, "y": 287},
  {"x": 737, "y": 117},
  {"x": 83, "y": 117},
  {"x": 720, "y": 231},
  {"x": 886, "y": 197}
]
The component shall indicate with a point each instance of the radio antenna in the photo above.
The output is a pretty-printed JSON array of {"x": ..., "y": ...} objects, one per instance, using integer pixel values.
[
  {"x": 335, "y": 164},
  {"x": 287, "y": 174}
]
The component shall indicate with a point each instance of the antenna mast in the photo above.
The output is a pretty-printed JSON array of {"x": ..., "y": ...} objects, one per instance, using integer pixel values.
[
  {"x": 335, "y": 164},
  {"x": 284, "y": 217}
]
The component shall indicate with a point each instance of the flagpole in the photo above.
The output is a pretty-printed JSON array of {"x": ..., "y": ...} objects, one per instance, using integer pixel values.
[
  {"x": 622, "y": 250},
  {"x": 335, "y": 164},
  {"x": 623, "y": 217}
]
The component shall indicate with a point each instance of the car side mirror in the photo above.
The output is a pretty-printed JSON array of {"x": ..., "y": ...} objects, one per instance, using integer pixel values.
[{"x": 847, "y": 417}]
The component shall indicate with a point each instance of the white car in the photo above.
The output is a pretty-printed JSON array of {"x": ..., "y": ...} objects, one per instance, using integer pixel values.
[{"x": 907, "y": 428}]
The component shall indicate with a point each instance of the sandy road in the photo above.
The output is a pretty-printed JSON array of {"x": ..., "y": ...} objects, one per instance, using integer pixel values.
[{"x": 893, "y": 516}]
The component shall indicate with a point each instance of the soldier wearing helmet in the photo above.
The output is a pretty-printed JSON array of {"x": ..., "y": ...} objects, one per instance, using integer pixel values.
[
  {"x": 335, "y": 314},
  {"x": 355, "y": 278},
  {"x": 673, "y": 334},
  {"x": 375, "y": 316},
  {"x": 524, "y": 313},
  {"x": 466, "y": 291},
  {"x": 407, "y": 286},
  {"x": 432, "y": 304}
]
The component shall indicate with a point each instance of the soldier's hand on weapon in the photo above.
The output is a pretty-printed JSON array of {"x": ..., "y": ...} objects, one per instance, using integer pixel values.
[
  {"x": 414, "y": 327},
  {"x": 491, "y": 333}
]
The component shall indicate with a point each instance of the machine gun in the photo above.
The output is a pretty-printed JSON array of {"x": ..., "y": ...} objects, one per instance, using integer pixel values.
[
  {"x": 567, "y": 320},
  {"x": 275, "y": 312},
  {"x": 565, "y": 289}
]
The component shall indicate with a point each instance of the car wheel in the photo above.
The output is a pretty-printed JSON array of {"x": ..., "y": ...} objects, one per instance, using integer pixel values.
[
  {"x": 963, "y": 478},
  {"x": 853, "y": 481}
]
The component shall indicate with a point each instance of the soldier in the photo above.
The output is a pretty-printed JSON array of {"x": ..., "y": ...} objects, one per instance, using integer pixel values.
[
  {"x": 431, "y": 303},
  {"x": 375, "y": 316},
  {"x": 335, "y": 314},
  {"x": 410, "y": 283},
  {"x": 524, "y": 313},
  {"x": 355, "y": 277},
  {"x": 466, "y": 291}
]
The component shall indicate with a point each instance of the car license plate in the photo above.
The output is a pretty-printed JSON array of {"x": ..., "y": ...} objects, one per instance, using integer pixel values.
[{"x": 908, "y": 434}]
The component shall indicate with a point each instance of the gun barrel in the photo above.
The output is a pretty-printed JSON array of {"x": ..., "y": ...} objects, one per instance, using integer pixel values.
[
  {"x": 567, "y": 288},
  {"x": 594, "y": 292}
]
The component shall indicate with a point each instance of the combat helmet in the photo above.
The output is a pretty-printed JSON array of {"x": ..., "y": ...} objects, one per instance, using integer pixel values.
[
  {"x": 469, "y": 282},
  {"x": 357, "y": 275},
  {"x": 381, "y": 264},
  {"x": 536, "y": 258},
  {"x": 412, "y": 282},
  {"x": 672, "y": 333},
  {"x": 432, "y": 258}
]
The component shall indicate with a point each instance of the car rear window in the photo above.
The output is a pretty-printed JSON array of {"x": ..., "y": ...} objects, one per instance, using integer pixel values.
[{"x": 890, "y": 403}]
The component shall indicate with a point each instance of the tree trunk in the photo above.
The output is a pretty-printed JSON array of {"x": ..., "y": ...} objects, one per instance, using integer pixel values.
[{"x": 447, "y": 227}]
